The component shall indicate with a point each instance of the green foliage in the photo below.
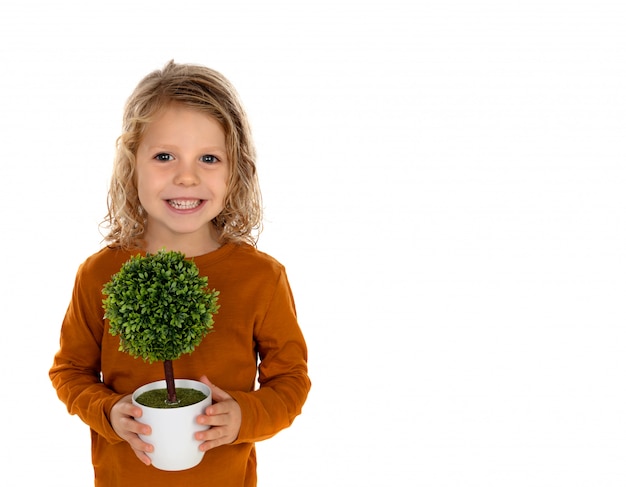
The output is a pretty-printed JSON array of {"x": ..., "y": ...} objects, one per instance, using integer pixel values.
[{"x": 160, "y": 306}]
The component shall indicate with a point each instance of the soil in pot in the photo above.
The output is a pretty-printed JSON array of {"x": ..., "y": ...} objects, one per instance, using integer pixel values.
[{"x": 157, "y": 398}]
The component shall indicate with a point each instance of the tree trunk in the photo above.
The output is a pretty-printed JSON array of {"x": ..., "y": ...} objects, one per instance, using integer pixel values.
[{"x": 169, "y": 381}]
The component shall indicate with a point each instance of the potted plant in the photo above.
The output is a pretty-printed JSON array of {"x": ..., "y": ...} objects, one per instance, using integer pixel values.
[{"x": 161, "y": 308}]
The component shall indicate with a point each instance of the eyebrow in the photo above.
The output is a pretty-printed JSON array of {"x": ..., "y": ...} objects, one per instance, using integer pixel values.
[{"x": 173, "y": 148}]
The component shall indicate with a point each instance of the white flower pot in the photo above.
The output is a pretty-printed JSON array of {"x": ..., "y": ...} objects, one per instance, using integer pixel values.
[{"x": 175, "y": 447}]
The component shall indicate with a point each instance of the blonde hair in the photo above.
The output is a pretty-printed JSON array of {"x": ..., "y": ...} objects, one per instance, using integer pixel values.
[{"x": 203, "y": 89}]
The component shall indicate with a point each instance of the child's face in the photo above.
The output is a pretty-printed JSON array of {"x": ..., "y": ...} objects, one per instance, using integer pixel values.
[{"x": 182, "y": 172}]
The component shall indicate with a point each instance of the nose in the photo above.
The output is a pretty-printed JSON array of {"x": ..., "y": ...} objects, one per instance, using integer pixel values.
[{"x": 186, "y": 173}]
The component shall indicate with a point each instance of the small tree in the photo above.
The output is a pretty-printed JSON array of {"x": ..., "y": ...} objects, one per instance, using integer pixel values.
[{"x": 161, "y": 308}]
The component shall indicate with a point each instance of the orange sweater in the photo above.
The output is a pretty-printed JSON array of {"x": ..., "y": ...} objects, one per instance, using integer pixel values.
[{"x": 256, "y": 319}]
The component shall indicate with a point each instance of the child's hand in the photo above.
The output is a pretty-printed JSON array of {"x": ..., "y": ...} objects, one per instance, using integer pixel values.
[
  {"x": 224, "y": 417},
  {"x": 123, "y": 415}
]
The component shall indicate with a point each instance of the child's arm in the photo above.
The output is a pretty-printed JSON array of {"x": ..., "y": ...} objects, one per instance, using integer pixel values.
[
  {"x": 75, "y": 373},
  {"x": 283, "y": 375}
]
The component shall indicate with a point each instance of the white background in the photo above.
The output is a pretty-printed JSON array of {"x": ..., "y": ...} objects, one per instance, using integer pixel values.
[{"x": 444, "y": 181}]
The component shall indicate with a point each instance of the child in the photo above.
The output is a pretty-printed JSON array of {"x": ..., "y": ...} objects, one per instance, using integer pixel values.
[{"x": 185, "y": 179}]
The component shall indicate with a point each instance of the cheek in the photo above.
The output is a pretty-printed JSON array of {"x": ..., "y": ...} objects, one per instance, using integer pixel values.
[
  {"x": 224, "y": 191},
  {"x": 220, "y": 184},
  {"x": 145, "y": 187}
]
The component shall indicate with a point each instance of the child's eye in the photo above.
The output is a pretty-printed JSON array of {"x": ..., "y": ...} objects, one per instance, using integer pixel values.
[
  {"x": 209, "y": 159},
  {"x": 163, "y": 157}
]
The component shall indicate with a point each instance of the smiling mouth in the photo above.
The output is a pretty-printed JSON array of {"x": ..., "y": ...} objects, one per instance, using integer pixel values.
[{"x": 184, "y": 204}]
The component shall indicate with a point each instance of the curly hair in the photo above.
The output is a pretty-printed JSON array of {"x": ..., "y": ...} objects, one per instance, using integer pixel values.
[{"x": 203, "y": 89}]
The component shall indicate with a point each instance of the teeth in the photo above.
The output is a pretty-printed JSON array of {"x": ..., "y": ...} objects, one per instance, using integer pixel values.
[{"x": 184, "y": 204}]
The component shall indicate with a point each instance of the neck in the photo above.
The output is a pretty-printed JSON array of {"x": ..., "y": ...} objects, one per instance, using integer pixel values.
[{"x": 188, "y": 245}]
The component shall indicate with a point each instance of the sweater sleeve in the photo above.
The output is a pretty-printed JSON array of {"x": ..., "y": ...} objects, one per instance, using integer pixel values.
[
  {"x": 75, "y": 373},
  {"x": 283, "y": 375}
]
